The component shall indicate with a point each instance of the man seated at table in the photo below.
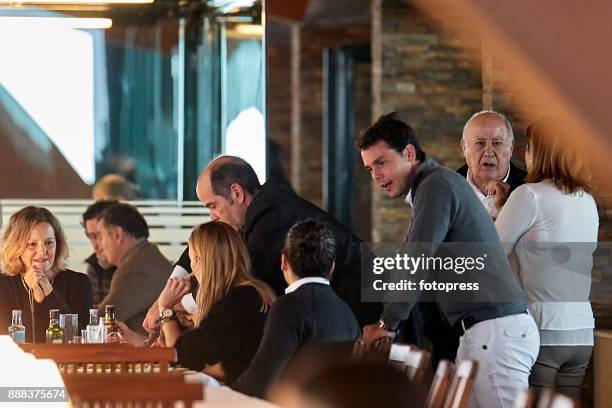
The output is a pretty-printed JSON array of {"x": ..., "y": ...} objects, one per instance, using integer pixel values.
[
  {"x": 99, "y": 271},
  {"x": 142, "y": 271},
  {"x": 309, "y": 312}
]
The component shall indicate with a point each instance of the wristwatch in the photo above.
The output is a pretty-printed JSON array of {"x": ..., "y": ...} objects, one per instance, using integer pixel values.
[
  {"x": 166, "y": 314},
  {"x": 381, "y": 323}
]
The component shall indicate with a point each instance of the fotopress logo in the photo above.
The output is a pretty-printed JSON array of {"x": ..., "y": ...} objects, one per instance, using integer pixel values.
[
  {"x": 458, "y": 272},
  {"x": 409, "y": 272},
  {"x": 411, "y": 264}
]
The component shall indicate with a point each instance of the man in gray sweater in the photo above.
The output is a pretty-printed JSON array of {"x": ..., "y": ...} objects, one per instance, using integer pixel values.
[{"x": 501, "y": 336}]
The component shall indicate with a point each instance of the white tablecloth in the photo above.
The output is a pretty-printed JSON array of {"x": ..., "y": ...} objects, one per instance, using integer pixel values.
[
  {"x": 216, "y": 396},
  {"x": 225, "y": 397}
]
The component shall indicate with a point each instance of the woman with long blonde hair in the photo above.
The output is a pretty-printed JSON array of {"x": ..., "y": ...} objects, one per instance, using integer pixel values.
[
  {"x": 34, "y": 278},
  {"x": 551, "y": 224},
  {"x": 232, "y": 305}
]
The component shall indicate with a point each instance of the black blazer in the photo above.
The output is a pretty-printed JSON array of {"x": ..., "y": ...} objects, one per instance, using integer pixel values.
[
  {"x": 311, "y": 314},
  {"x": 273, "y": 211},
  {"x": 515, "y": 178},
  {"x": 229, "y": 334}
]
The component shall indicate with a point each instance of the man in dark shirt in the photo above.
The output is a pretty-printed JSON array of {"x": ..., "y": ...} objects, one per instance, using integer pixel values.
[
  {"x": 99, "y": 271},
  {"x": 229, "y": 188},
  {"x": 309, "y": 312}
]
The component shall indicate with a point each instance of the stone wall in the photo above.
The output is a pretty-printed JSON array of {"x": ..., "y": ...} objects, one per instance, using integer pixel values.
[{"x": 432, "y": 80}]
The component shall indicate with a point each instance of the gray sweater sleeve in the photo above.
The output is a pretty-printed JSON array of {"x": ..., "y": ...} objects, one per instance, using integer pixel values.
[{"x": 435, "y": 206}]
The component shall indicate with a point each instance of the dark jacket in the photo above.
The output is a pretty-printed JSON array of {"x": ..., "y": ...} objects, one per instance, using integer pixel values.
[
  {"x": 99, "y": 277},
  {"x": 229, "y": 335},
  {"x": 140, "y": 277},
  {"x": 71, "y": 294},
  {"x": 311, "y": 314},
  {"x": 515, "y": 178},
  {"x": 273, "y": 211}
]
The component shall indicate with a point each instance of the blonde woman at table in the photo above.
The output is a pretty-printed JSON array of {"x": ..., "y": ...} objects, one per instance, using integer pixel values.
[
  {"x": 232, "y": 305},
  {"x": 34, "y": 278},
  {"x": 550, "y": 224}
]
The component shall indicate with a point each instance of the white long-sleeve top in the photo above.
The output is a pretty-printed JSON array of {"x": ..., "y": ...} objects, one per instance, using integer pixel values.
[{"x": 551, "y": 236}]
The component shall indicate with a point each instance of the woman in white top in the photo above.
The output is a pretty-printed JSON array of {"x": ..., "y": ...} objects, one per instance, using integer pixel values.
[{"x": 549, "y": 226}]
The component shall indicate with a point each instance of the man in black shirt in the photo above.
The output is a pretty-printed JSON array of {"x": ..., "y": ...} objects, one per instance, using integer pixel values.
[
  {"x": 229, "y": 188},
  {"x": 99, "y": 271},
  {"x": 309, "y": 312}
]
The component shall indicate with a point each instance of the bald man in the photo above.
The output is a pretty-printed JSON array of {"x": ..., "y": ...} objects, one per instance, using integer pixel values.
[
  {"x": 229, "y": 188},
  {"x": 487, "y": 143}
]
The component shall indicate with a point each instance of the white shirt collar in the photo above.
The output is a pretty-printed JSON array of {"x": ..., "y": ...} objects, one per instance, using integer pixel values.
[
  {"x": 408, "y": 198},
  {"x": 311, "y": 279}
]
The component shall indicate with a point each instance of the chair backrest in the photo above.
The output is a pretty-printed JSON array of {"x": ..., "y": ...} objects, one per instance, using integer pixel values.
[
  {"x": 398, "y": 353},
  {"x": 170, "y": 223},
  {"x": 119, "y": 389},
  {"x": 525, "y": 399},
  {"x": 106, "y": 358},
  {"x": 439, "y": 385},
  {"x": 383, "y": 346},
  {"x": 462, "y": 383},
  {"x": 550, "y": 399},
  {"x": 359, "y": 348},
  {"x": 416, "y": 364}
]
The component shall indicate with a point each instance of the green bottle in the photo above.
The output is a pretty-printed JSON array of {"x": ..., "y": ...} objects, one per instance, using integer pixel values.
[{"x": 55, "y": 334}]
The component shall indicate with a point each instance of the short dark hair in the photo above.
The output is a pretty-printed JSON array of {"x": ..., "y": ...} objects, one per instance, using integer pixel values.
[
  {"x": 94, "y": 210},
  {"x": 127, "y": 217},
  {"x": 392, "y": 130},
  {"x": 227, "y": 170},
  {"x": 310, "y": 248}
]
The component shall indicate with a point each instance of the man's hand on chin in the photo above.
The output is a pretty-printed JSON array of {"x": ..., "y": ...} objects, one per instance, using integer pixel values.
[{"x": 373, "y": 332}]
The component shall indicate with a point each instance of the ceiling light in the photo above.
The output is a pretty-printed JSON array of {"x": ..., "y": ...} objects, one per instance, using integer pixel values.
[
  {"x": 250, "y": 30},
  {"x": 68, "y": 22},
  {"x": 81, "y": 2}
]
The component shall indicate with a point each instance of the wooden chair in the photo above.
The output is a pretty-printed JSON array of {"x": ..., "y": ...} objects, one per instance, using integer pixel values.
[
  {"x": 359, "y": 348},
  {"x": 440, "y": 385},
  {"x": 525, "y": 399},
  {"x": 417, "y": 364},
  {"x": 398, "y": 354},
  {"x": 551, "y": 399},
  {"x": 460, "y": 390},
  {"x": 413, "y": 361},
  {"x": 105, "y": 358},
  {"x": 380, "y": 349},
  {"x": 114, "y": 390}
]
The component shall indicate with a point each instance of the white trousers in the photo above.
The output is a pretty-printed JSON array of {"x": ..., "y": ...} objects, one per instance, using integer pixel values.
[{"x": 505, "y": 349}]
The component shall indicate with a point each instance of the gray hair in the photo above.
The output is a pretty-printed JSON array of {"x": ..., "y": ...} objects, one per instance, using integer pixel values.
[{"x": 503, "y": 118}]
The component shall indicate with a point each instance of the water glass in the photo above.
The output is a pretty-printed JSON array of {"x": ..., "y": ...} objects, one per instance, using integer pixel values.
[{"x": 70, "y": 324}]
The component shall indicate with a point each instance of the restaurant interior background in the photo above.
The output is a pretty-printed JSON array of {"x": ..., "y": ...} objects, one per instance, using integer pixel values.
[{"x": 166, "y": 86}]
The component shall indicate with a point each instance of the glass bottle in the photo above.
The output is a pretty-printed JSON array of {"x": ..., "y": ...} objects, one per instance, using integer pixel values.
[
  {"x": 55, "y": 334},
  {"x": 92, "y": 327},
  {"x": 101, "y": 330},
  {"x": 112, "y": 330},
  {"x": 17, "y": 330}
]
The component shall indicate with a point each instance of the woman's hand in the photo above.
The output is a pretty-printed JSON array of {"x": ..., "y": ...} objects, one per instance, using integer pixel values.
[
  {"x": 33, "y": 277},
  {"x": 172, "y": 294}
]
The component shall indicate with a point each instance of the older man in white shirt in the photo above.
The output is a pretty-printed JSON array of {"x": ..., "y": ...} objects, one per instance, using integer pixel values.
[{"x": 487, "y": 143}]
